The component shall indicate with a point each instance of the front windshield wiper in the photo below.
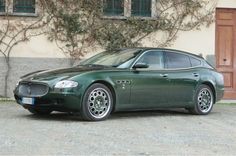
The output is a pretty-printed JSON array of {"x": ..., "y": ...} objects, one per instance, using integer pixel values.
[{"x": 115, "y": 66}]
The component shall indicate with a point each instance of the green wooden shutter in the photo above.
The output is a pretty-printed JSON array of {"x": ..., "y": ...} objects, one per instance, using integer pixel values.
[
  {"x": 24, "y": 6},
  {"x": 113, "y": 7},
  {"x": 141, "y": 8},
  {"x": 2, "y": 5}
]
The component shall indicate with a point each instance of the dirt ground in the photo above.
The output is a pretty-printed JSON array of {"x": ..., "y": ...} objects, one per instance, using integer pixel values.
[{"x": 169, "y": 132}]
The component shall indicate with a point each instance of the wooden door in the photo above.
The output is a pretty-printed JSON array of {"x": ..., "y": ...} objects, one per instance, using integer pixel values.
[{"x": 226, "y": 49}]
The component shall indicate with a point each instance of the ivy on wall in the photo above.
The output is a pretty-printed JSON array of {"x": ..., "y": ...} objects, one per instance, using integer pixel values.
[{"x": 79, "y": 24}]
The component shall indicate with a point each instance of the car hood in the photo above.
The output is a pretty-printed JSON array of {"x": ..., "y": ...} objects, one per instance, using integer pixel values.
[{"x": 60, "y": 74}]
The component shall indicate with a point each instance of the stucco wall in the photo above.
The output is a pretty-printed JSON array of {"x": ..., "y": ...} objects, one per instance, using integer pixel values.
[
  {"x": 37, "y": 47},
  {"x": 201, "y": 41},
  {"x": 194, "y": 41},
  {"x": 39, "y": 53}
]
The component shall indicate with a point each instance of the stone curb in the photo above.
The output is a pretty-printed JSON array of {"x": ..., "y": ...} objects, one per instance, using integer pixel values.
[
  {"x": 227, "y": 101},
  {"x": 7, "y": 99}
]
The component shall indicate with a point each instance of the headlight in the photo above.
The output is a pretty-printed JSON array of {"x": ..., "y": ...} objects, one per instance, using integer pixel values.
[{"x": 66, "y": 84}]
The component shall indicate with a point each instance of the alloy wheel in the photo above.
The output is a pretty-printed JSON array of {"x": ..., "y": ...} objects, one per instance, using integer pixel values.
[
  {"x": 205, "y": 100},
  {"x": 99, "y": 103}
]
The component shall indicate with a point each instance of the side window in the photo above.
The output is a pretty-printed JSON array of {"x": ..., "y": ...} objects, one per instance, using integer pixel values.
[
  {"x": 177, "y": 60},
  {"x": 154, "y": 59},
  {"x": 195, "y": 62}
]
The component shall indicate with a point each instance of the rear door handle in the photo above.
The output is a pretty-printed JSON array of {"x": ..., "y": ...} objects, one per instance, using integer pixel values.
[
  {"x": 164, "y": 75},
  {"x": 195, "y": 74}
]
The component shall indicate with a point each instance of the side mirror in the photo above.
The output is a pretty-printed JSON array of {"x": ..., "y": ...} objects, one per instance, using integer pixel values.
[{"x": 140, "y": 65}]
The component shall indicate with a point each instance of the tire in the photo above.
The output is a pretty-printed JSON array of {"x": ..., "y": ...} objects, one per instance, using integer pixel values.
[
  {"x": 39, "y": 111},
  {"x": 97, "y": 103},
  {"x": 203, "y": 101}
]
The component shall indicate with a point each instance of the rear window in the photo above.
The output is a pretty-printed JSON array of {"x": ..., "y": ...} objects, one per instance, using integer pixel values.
[
  {"x": 195, "y": 62},
  {"x": 207, "y": 65}
]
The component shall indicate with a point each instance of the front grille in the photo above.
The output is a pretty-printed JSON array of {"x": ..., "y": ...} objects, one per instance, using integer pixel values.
[{"x": 32, "y": 89}]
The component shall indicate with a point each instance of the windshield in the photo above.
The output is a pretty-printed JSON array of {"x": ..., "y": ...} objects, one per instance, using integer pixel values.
[{"x": 119, "y": 58}]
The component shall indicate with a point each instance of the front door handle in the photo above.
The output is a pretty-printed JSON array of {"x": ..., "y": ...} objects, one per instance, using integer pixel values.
[
  {"x": 195, "y": 74},
  {"x": 164, "y": 75}
]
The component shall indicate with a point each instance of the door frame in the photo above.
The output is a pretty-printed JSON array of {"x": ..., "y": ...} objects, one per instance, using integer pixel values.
[{"x": 230, "y": 93}]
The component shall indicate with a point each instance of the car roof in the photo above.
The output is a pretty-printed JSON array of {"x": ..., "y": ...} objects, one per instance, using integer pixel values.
[{"x": 164, "y": 49}]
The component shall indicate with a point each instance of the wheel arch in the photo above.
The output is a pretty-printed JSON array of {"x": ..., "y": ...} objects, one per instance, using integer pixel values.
[
  {"x": 109, "y": 85},
  {"x": 209, "y": 84}
]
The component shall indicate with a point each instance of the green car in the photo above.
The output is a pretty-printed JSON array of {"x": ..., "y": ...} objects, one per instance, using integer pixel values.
[{"x": 124, "y": 80}]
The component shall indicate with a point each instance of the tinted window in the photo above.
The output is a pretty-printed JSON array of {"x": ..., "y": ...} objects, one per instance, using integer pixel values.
[
  {"x": 2, "y": 5},
  {"x": 207, "y": 65},
  {"x": 176, "y": 60},
  {"x": 24, "y": 6},
  {"x": 113, "y": 7},
  {"x": 141, "y": 8},
  {"x": 154, "y": 59},
  {"x": 195, "y": 62}
]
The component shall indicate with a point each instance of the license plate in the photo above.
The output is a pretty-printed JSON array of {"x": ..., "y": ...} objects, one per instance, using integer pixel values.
[{"x": 29, "y": 101}]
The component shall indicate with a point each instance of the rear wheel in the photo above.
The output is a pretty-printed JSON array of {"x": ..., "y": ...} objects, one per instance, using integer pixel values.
[
  {"x": 40, "y": 111},
  {"x": 203, "y": 101},
  {"x": 97, "y": 103}
]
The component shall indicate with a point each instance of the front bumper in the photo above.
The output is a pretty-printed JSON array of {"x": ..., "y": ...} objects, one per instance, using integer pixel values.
[
  {"x": 56, "y": 102},
  {"x": 59, "y": 100}
]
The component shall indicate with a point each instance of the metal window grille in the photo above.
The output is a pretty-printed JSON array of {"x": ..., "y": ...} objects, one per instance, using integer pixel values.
[
  {"x": 2, "y": 5},
  {"x": 113, "y": 7},
  {"x": 141, "y": 8},
  {"x": 24, "y": 6}
]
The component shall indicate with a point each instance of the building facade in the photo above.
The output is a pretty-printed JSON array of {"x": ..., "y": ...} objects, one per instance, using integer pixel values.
[{"x": 216, "y": 43}]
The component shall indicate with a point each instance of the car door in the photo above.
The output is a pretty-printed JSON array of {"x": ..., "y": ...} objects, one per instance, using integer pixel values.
[
  {"x": 183, "y": 77},
  {"x": 150, "y": 87}
]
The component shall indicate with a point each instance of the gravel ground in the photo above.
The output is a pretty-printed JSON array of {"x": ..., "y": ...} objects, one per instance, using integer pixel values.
[{"x": 172, "y": 132}]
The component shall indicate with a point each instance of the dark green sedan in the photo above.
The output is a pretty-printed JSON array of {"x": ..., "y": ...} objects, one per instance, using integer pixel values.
[{"x": 121, "y": 80}]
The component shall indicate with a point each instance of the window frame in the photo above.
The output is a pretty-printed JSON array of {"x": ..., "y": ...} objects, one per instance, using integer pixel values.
[
  {"x": 139, "y": 14},
  {"x": 194, "y": 58},
  {"x": 167, "y": 61},
  {"x": 113, "y": 14},
  {"x": 9, "y": 10},
  {"x": 147, "y": 51},
  {"x": 18, "y": 8},
  {"x": 3, "y": 6},
  {"x": 164, "y": 51},
  {"x": 182, "y": 53},
  {"x": 162, "y": 63},
  {"x": 128, "y": 12}
]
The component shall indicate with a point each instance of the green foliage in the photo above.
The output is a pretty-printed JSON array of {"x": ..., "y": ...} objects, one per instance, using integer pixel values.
[
  {"x": 110, "y": 36},
  {"x": 79, "y": 24}
]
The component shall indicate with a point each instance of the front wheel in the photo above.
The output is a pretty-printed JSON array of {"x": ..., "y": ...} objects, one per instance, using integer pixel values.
[
  {"x": 203, "y": 101},
  {"x": 97, "y": 103}
]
